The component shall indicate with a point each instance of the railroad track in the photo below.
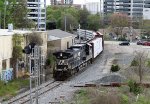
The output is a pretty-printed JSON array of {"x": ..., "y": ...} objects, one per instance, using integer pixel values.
[{"x": 42, "y": 89}]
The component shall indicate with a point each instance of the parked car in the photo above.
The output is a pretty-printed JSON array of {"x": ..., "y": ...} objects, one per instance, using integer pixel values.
[
  {"x": 146, "y": 43},
  {"x": 140, "y": 42},
  {"x": 124, "y": 43}
]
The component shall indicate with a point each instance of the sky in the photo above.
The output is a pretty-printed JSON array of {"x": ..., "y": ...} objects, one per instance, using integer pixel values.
[{"x": 78, "y": 1}]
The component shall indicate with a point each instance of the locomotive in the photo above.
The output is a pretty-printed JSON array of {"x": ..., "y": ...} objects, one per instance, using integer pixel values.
[{"x": 70, "y": 61}]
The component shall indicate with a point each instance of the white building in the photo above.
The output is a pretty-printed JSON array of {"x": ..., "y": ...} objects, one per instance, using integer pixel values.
[
  {"x": 6, "y": 46},
  {"x": 95, "y": 7},
  {"x": 146, "y": 13},
  {"x": 37, "y": 13}
]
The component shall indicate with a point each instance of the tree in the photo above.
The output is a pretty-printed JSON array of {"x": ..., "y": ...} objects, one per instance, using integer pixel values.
[
  {"x": 70, "y": 22},
  {"x": 83, "y": 18},
  {"x": 17, "y": 50},
  {"x": 5, "y": 8},
  {"x": 140, "y": 64},
  {"x": 16, "y": 13},
  {"x": 35, "y": 38},
  {"x": 118, "y": 22},
  {"x": 146, "y": 28},
  {"x": 93, "y": 22},
  {"x": 57, "y": 13},
  {"x": 19, "y": 15}
]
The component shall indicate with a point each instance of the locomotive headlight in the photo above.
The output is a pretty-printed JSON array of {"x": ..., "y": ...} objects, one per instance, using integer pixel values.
[{"x": 61, "y": 54}]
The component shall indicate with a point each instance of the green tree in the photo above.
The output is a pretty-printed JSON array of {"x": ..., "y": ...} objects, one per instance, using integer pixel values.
[
  {"x": 93, "y": 22},
  {"x": 70, "y": 22},
  {"x": 83, "y": 18},
  {"x": 5, "y": 12},
  {"x": 19, "y": 15},
  {"x": 17, "y": 50}
]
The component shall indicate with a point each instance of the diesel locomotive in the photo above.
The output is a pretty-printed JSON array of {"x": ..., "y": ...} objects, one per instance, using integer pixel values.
[{"x": 70, "y": 61}]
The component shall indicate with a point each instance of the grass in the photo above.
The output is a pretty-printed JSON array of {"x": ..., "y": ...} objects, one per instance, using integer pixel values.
[
  {"x": 10, "y": 89},
  {"x": 81, "y": 97},
  {"x": 108, "y": 95}
]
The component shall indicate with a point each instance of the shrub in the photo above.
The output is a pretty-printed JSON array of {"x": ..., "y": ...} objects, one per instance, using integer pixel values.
[
  {"x": 134, "y": 87},
  {"x": 122, "y": 39},
  {"x": 50, "y": 61},
  {"x": 115, "y": 68},
  {"x": 124, "y": 99},
  {"x": 134, "y": 63},
  {"x": 142, "y": 100}
]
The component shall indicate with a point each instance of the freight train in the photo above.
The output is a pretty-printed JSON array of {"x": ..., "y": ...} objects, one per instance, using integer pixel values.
[{"x": 72, "y": 60}]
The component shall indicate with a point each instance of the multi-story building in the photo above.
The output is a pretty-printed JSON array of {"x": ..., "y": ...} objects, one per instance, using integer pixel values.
[
  {"x": 61, "y": 2},
  {"x": 68, "y": 1},
  {"x": 37, "y": 13},
  {"x": 93, "y": 7},
  {"x": 133, "y": 8}
]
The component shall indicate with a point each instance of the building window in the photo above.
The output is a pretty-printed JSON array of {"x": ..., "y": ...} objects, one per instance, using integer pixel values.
[
  {"x": 67, "y": 44},
  {"x": 3, "y": 64},
  {"x": 72, "y": 41}
]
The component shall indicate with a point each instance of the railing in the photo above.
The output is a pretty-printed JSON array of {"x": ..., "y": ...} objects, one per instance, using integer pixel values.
[{"x": 6, "y": 75}]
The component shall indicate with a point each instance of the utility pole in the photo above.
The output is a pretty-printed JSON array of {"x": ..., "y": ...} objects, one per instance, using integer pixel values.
[
  {"x": 65, "y": 22},
  {"x": 79, "y": 35},
  {"x": 143, "y": 18},
  {"x": 6, "y": 3},
  {"x": 0, "y": 19}
]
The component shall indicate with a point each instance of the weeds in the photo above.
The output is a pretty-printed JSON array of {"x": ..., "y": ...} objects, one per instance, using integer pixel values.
[
  {"x": 134, "y": 87},
  {"x": 11, "y": 88}
]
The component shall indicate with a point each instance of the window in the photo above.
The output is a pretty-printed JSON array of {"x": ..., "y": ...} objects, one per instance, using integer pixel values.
[
  {"x": 67, "y": 44},
  {"x": 3, "y": 64}
]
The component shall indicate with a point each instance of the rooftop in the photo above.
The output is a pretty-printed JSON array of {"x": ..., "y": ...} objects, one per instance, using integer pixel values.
[
  {"x": 5, "y": 32},
  {"x": 58, "y": 34}
]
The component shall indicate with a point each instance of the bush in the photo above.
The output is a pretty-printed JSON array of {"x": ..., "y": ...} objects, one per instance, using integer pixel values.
[
  {"x": 115, "y": 68},
  {"x": 143, "y": 100},
  {"x": 134, "y": 63},
  {"x": 124, "y": 99},
  {"x": 50, "y": 61},
  {"x": 134, "y": 87},
  {"x": 122, "y": 39}
]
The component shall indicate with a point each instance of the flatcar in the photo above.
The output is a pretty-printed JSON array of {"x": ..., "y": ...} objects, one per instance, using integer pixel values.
[{"x": 70, "y": 61}]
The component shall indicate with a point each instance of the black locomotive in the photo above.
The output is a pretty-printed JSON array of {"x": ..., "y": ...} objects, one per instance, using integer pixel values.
[{"x": 70, "y": 61}]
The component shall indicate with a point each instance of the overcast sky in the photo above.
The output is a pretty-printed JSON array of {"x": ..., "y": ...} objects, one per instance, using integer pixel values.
[{"x": 79, "y": 1}]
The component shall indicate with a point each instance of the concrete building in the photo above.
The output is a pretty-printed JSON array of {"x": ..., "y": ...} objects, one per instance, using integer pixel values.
[
  {"x": 133, "y": 8},
  {"x": 37, "y": 13},
  {"x": 6, "y": 46},
  {"x": 94, "y": 7},
  {"x": 59, "y": 40}
]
